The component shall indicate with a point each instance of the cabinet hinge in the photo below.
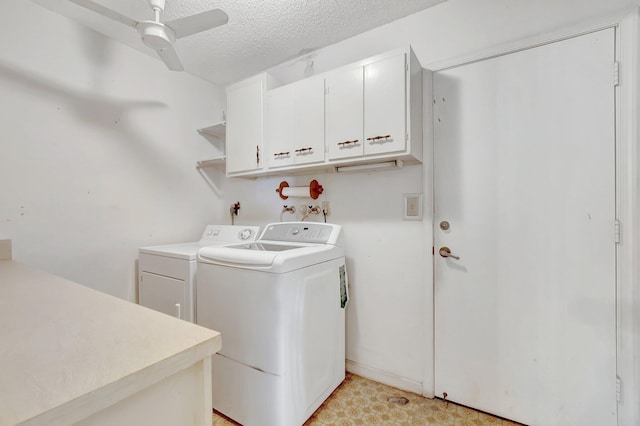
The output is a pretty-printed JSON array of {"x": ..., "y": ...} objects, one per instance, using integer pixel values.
[
  {"x": 618, "y": 389},
  {"x": 406, "y": 137},
  {"x": 616, "y": 73},
  {"x": 616, "y": 227}
]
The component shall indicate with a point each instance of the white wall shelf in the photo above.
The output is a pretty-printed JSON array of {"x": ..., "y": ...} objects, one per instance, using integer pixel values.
[
  {"x": 217, "y": 130},
  {"x": 214, "y": 162}
]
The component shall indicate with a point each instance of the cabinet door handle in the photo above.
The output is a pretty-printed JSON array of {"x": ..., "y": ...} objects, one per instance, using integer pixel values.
[
  {"x": 178, "y": 311},
  {"x": 258, "y": 155},
  {"x": 303, "y": 150},
  {"x": 348, "y": 142},
  {"x": 277, "y": 154},
  {"x": 377, "y": 138}
]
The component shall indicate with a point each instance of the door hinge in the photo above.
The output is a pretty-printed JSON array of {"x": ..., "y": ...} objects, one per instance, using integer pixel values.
[
  {"x": 616, "y": 74},
  {"x": 618, "y": 389},
  {"x": 616, "y": 227}
]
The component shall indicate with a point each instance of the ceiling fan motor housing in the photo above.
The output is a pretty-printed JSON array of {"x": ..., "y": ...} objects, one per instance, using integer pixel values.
[{"x": 156, "y": 35}]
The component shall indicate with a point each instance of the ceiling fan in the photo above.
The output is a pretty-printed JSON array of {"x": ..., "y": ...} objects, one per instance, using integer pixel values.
[{"x": 160, "y": 36}]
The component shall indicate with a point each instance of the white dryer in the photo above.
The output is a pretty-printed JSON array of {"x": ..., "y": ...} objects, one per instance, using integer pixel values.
[
  {"x": 279, "y": 303},
  {"x": 167, "y": 273}
]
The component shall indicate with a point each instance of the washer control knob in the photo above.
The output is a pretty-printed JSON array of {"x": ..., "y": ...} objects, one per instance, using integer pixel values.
[
  {"x": 295, "y": 231},
  {"x": 245, "y": 234}
]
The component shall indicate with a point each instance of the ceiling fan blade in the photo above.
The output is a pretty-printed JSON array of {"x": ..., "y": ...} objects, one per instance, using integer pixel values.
[
  {"x": 98, "y": 8},
  {"x": 196, "y": 23},
  {"x": 170, "y": 57}
]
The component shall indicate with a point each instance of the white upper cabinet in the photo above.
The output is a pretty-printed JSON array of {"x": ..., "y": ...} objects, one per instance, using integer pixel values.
[
  {"x": 244, "y": 138},
  {"x": 345, "y": 119},
  {"x": 295, "y": 123},
  {"x": 385, "y": 106},
  {"x": 366, "y": 109},
  {"x": 367, "y": 112}
]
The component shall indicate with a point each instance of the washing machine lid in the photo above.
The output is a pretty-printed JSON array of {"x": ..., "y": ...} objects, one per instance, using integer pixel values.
[
  {"x": 213, "y": 235},
  {"x": 270, "y": 256}
]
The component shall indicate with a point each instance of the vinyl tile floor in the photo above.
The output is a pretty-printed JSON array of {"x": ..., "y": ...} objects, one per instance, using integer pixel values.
[{"x": 359, "y": 401}]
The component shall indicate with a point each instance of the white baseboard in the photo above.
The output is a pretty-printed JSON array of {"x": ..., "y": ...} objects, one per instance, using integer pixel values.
[{"x": 385, "y": 378}]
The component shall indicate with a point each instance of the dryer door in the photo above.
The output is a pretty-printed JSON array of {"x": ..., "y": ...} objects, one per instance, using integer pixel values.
[{"x": 163, "y": 294}]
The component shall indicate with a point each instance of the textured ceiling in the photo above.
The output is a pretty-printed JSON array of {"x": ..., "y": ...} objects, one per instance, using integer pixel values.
[{"x": 260, "y": 33}]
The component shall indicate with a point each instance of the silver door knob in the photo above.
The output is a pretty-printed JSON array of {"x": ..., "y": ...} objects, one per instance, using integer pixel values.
[{"x": 446, "y": 252}]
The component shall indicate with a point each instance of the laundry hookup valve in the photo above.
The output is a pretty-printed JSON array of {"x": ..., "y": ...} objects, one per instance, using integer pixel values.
[{"x": 234, "y": 210}]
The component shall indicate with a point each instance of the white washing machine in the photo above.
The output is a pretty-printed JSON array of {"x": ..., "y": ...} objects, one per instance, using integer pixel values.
[
  {"x": 167, "y": 273},
  {"x": 279, "y": 303}
]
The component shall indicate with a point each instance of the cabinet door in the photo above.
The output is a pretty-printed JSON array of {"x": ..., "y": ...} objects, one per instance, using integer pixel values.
[
  {"x": 163, "y": 294},
  {"x": 345, "y": 121},
  {"x": 385, "y": 106},
  {"x": 279, "y": 124},
  {"x": 308, "y": 124},
  {"x": 244, "y": 126}
]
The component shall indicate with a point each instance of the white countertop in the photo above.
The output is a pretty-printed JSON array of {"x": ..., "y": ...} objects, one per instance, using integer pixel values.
[{"x": 65, "y": 346}]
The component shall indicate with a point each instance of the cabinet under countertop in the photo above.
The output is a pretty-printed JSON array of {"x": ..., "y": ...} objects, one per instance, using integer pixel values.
[{"x": 71, "y": 354}]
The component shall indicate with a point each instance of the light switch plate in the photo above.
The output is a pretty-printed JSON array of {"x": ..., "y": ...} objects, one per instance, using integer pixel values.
[{"x": 412, "y": 207}]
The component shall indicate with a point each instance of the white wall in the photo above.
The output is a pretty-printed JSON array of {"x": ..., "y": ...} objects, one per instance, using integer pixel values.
[
  {"x": 99, "y": 146},
  {"x": 390, "y": 319}
]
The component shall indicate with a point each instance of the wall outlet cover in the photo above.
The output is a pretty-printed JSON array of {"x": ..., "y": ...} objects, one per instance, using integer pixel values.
[{"x": 412, "y": 207}]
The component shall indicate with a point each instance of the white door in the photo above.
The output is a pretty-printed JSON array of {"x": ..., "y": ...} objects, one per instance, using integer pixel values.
[{"x": 525, "y": 181}]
